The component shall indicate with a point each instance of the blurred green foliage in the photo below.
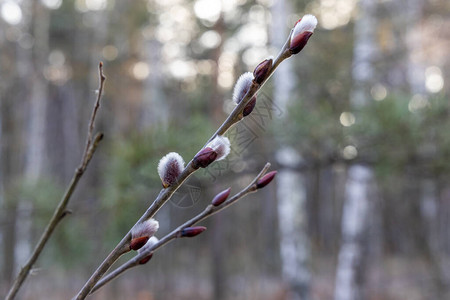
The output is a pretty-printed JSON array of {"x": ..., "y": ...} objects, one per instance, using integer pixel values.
[
  {"x": 391, "y": 134},
  {"x": 131, "y": 180}
]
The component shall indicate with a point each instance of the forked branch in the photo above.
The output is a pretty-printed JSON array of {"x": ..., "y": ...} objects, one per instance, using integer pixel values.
[
  {"x": 61, "y": 210},
  {"x": 206, "y": 213},
  {"x": 295, "y": 42}
]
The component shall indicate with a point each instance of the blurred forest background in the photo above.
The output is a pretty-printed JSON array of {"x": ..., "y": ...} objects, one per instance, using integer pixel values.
[{"x": 357, "y": 125}]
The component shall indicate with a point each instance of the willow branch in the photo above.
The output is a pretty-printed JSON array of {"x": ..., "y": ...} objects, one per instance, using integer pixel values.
[
  {"x": 206, "y": 213},
  {"x": 60, "y": 211},
  {"x": 165, "y": 194}
]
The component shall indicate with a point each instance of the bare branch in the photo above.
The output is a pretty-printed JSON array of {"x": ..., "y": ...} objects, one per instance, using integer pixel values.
[
  {"x": 165, "y": 194},
  {"x": 87, "y": 150},
  {"x": 61, "y": 211},
  {"x": 206, "y": 213}
]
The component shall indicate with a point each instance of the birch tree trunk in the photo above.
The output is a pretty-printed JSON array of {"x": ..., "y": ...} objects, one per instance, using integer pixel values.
[
  {"x": 351, "y": 261},
  {"x": 12, "y": 162},
  {"x": 291, "y": 190},
  {"x": 429, "y": 188},
  {"x": 415, "y": 67},
  {"x": 35, "y": 154}
]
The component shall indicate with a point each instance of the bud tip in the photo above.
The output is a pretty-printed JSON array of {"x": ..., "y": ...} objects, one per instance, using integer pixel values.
[
  {"x": 303, "y": 30},
  {"x": 261, "y": 70},
  {"x": 192, "y": 231},
  {"x": 221, "y": 197},
  {"x": 266, "y": 179}
]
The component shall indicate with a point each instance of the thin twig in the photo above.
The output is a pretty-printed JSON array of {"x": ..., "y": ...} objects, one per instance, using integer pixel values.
[
  {"x": 165, "y": 194},
  {"x": 61, "y": 211},
  {"x": 206, "y": 213},
  {"x": 87, "y": 150}
]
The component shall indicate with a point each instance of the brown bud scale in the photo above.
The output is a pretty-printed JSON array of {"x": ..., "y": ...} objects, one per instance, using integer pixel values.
[
  {"x": 221, "y": 197},
  {"x": 138, "y": 242},
  {"x": 299, "y": 41},
  {"x": 262, "y": 70},
  {"x": 266, "y": 179},
  {"x": 192, "y": 231},
  {"x": 249, "y": 107},
  {"x": 146, "y": 259},
  {"x": 204, "y": 158}
]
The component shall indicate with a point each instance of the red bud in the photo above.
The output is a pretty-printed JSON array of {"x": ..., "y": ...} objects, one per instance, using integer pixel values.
[
  {"x": 266, "y": 179},
  {"x": 261, "y": 70},
  {"x": 138, "y": 242},
  {"x": 146, "y": 259},
  {"x": 299, "y": 42},
  {"x": 192, "y": 231},
  {"x": 249, "y": 107},
  {"x": 221, "y": 197},
  {"x": 204, "y": 158}
]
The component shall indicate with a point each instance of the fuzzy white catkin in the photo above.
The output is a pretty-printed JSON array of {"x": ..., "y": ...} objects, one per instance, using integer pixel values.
[
  {"x": 221, "y": 145},
  {"x": 169, "y": 167},
  {"x": 242, "y": 86},
  {"x": 151, "y": 241},
  {"x": 307, "y": 23},
  {"x": 146, "y": 228}
]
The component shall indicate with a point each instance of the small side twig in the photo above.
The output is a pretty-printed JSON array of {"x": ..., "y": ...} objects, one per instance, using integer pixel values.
[
  {"x": 61, "y": 210},
  {"x": 88, "y": 151},
  {"x": 206, "y": 213}
]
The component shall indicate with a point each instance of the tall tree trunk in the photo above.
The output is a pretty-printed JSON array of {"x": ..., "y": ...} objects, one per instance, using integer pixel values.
[
  {"x": 351, "y": 266},
  {"x": 10, "y": 169},
  {"x": 413, "y": 11},
  {"x": 35, "y": 156},
  {"x": 291, "y": 190},
  {"x": 294, "y": 242},
  {"x": 155, "y": 110},
  {"x": 36, "y": 152}
]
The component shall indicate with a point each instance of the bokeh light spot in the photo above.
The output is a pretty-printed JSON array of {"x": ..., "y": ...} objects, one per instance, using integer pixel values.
[
  {"x": 347, "y": 119},
  {"x": 417, "y": 102},
  {"x": 11, "y": 12},
  {"x": 52, "y": 4},
  {"x": 349, "y": 152},
  {"x": 378, "y": 92},
  {"x": 210, "y": 39},
  {"x": 110, "y": 52},
  {"x": 434, "y": 82},
  {"x": 208, "y": 10},
  {"x": 141, "y": 70}
]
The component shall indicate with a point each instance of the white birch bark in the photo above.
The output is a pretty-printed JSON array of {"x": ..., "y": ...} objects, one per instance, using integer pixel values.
[
  {"x": 291, "y": 190},
  {"x": 355, "y": 218},
  {"x": 429, "y": 202},
  {"x": 35, "y": 156},
  {"x": 294, "y": 242},
  {"x": 364, "y": 52},
  {"x": 413, "y": 10},
  {"x": 349, "y": 275}
]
